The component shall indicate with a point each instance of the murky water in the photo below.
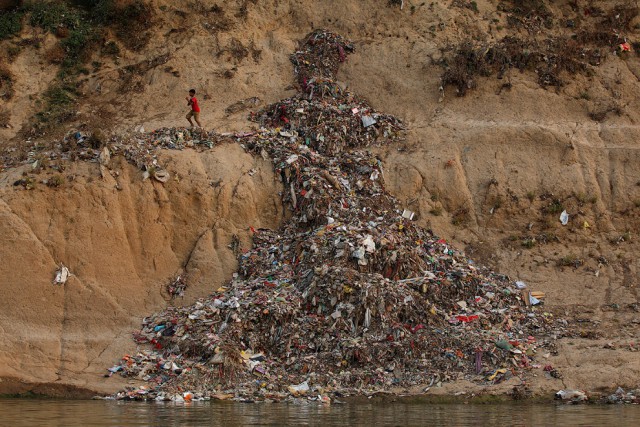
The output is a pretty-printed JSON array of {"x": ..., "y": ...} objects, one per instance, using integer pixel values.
[{"x": 18, "y": 412}]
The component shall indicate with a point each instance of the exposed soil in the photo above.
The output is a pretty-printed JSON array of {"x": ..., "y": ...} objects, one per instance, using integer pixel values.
[{"x": 490, "y": 171}]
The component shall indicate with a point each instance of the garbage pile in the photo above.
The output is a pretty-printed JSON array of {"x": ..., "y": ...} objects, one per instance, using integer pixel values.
[
  {"x": 139, "y": 148},
  {"x": 621, "y": 396},
  {"x": 350, "y": 296}
]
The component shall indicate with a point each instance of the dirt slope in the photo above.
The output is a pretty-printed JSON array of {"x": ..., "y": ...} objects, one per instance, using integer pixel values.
[{"x": 484, "y": 171}]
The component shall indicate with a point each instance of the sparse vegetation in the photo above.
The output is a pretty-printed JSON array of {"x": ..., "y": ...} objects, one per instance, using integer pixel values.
[
  {"x": 531, "y": 15},
  {"x": 551, "y": 58},
  {"x": 463, "y": 4},
  {"x": 601, "y": 114},
  {"x": 97, "y": 139},
  {"x": 74, "y": 28},
  {"x": 531, "y": 196},
  {"x": 498, "y": 202},
  {"x": 55, "y": 181},
  {"x": 27, "y": 182},
  {"x": 59, "y": 101},
  {"x": 460, "y": 216},
  {"x": 10, "y": 23},
  {"x": 111, "y": 48},
  {"x": 583, "y": 198},
  {"x": 530, "y": 241},
  {"x": 79, "y": 25},
  {"x": 555, "y": 207},
  {"x": 55, "y": 55},
  {"x": 12, "y": 52},
  {"x": 625, "y": 237},
  {"x": 236, "y": 50},
  {"x": 6, "y": 83},
  {"x": 5, "y": 116},
  {"x": 436, "y": 211},
  {"x": 570, "y": 261}
]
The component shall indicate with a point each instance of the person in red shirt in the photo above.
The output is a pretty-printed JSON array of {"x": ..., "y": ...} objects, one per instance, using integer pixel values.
[{"x": 195, "y": 108}]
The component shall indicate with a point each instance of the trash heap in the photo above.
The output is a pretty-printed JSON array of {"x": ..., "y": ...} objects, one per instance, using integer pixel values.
[
  {"x": 621, "y": 396},
  {"x": 139, "y": 148},
  {"x": 349, "y": 296}
]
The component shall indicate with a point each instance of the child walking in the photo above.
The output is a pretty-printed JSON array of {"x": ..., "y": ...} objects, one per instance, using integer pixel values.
[{"x": 195, "y": 108}]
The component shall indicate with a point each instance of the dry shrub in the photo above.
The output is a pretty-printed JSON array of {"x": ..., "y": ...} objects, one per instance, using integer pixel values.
[
  {"x": 5, "y": 117},
  {"x": 55, "y": 55},
  {"x": 549, "y": 58},
  {"x": 468, "y": 61},
  {"x": 532, "y": 15},
  {"x": 601, "y": 114},
  {"x": 97, "y": 139},
  {"x": 6, "y": 83},
  {"x": 62, "y": 32},
  {"x": 594, "y": 32},
  {"x": 133, "y": 20},
  {"x": 235, "y": 49}
]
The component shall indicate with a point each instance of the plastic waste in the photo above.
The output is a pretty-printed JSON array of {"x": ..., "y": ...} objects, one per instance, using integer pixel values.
[
  {"x": 61, "y": 275},
  {"x": 161, "y": 175},
  {"x": 300, "y": 389},
  {"x": 407, "y": 214},
  {"x": 564, "y": 218},
  {"x": 368, "y": 121},
  {"x": 575, "y": 396}
]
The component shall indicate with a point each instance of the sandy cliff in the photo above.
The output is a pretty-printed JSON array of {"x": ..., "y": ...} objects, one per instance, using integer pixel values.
[{"x": 483, "y": 171}]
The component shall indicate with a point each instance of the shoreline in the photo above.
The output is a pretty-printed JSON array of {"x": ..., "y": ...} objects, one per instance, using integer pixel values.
[{"x": 53, "y": 391}]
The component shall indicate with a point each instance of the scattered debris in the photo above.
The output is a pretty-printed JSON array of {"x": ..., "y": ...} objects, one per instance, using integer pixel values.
[
  {"x": 573, "y": 396},
  {"x": 62, "y": 274},
  {"x": 620, "y": 396},
  {"x": 177, "y": 286},
  {"x": 160, "y": 175},
  {"x": 349, "y": 296}
]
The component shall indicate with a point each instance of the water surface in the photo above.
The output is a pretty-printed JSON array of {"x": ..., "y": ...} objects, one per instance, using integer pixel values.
[{"x": 23, "y": 412}]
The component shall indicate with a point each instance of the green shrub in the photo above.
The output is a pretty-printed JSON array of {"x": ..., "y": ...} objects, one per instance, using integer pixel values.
[
  {"x": 55, "y": 181},
  {"x": 10, "y": 23},
  {"x": 111, "y": 48},
  {"x": 59, "y": 101},
  {"x": 52, "y": 15}
]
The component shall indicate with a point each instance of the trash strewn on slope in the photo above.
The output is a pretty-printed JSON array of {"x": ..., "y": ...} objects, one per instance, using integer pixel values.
[{"x": 350, "y": 296}]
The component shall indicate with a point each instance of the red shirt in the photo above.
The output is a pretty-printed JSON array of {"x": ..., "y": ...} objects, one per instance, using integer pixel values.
[{"x": 194, "y": 104}]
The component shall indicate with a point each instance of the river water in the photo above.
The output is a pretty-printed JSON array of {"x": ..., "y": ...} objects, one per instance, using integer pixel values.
[{"x": 24, "y": 412}]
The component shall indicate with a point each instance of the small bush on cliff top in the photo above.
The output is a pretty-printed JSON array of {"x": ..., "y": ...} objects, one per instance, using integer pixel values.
[
  {"x": 10, "y": 23},
  {"x": 52, "y": 15}
]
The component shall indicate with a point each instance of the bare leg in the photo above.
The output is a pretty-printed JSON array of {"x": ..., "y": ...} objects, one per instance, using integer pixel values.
[{"x": 198, "y": 122}]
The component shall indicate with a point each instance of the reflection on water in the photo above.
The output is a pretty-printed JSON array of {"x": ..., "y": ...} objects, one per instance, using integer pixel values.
[{"x": 15, "y": 412}]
